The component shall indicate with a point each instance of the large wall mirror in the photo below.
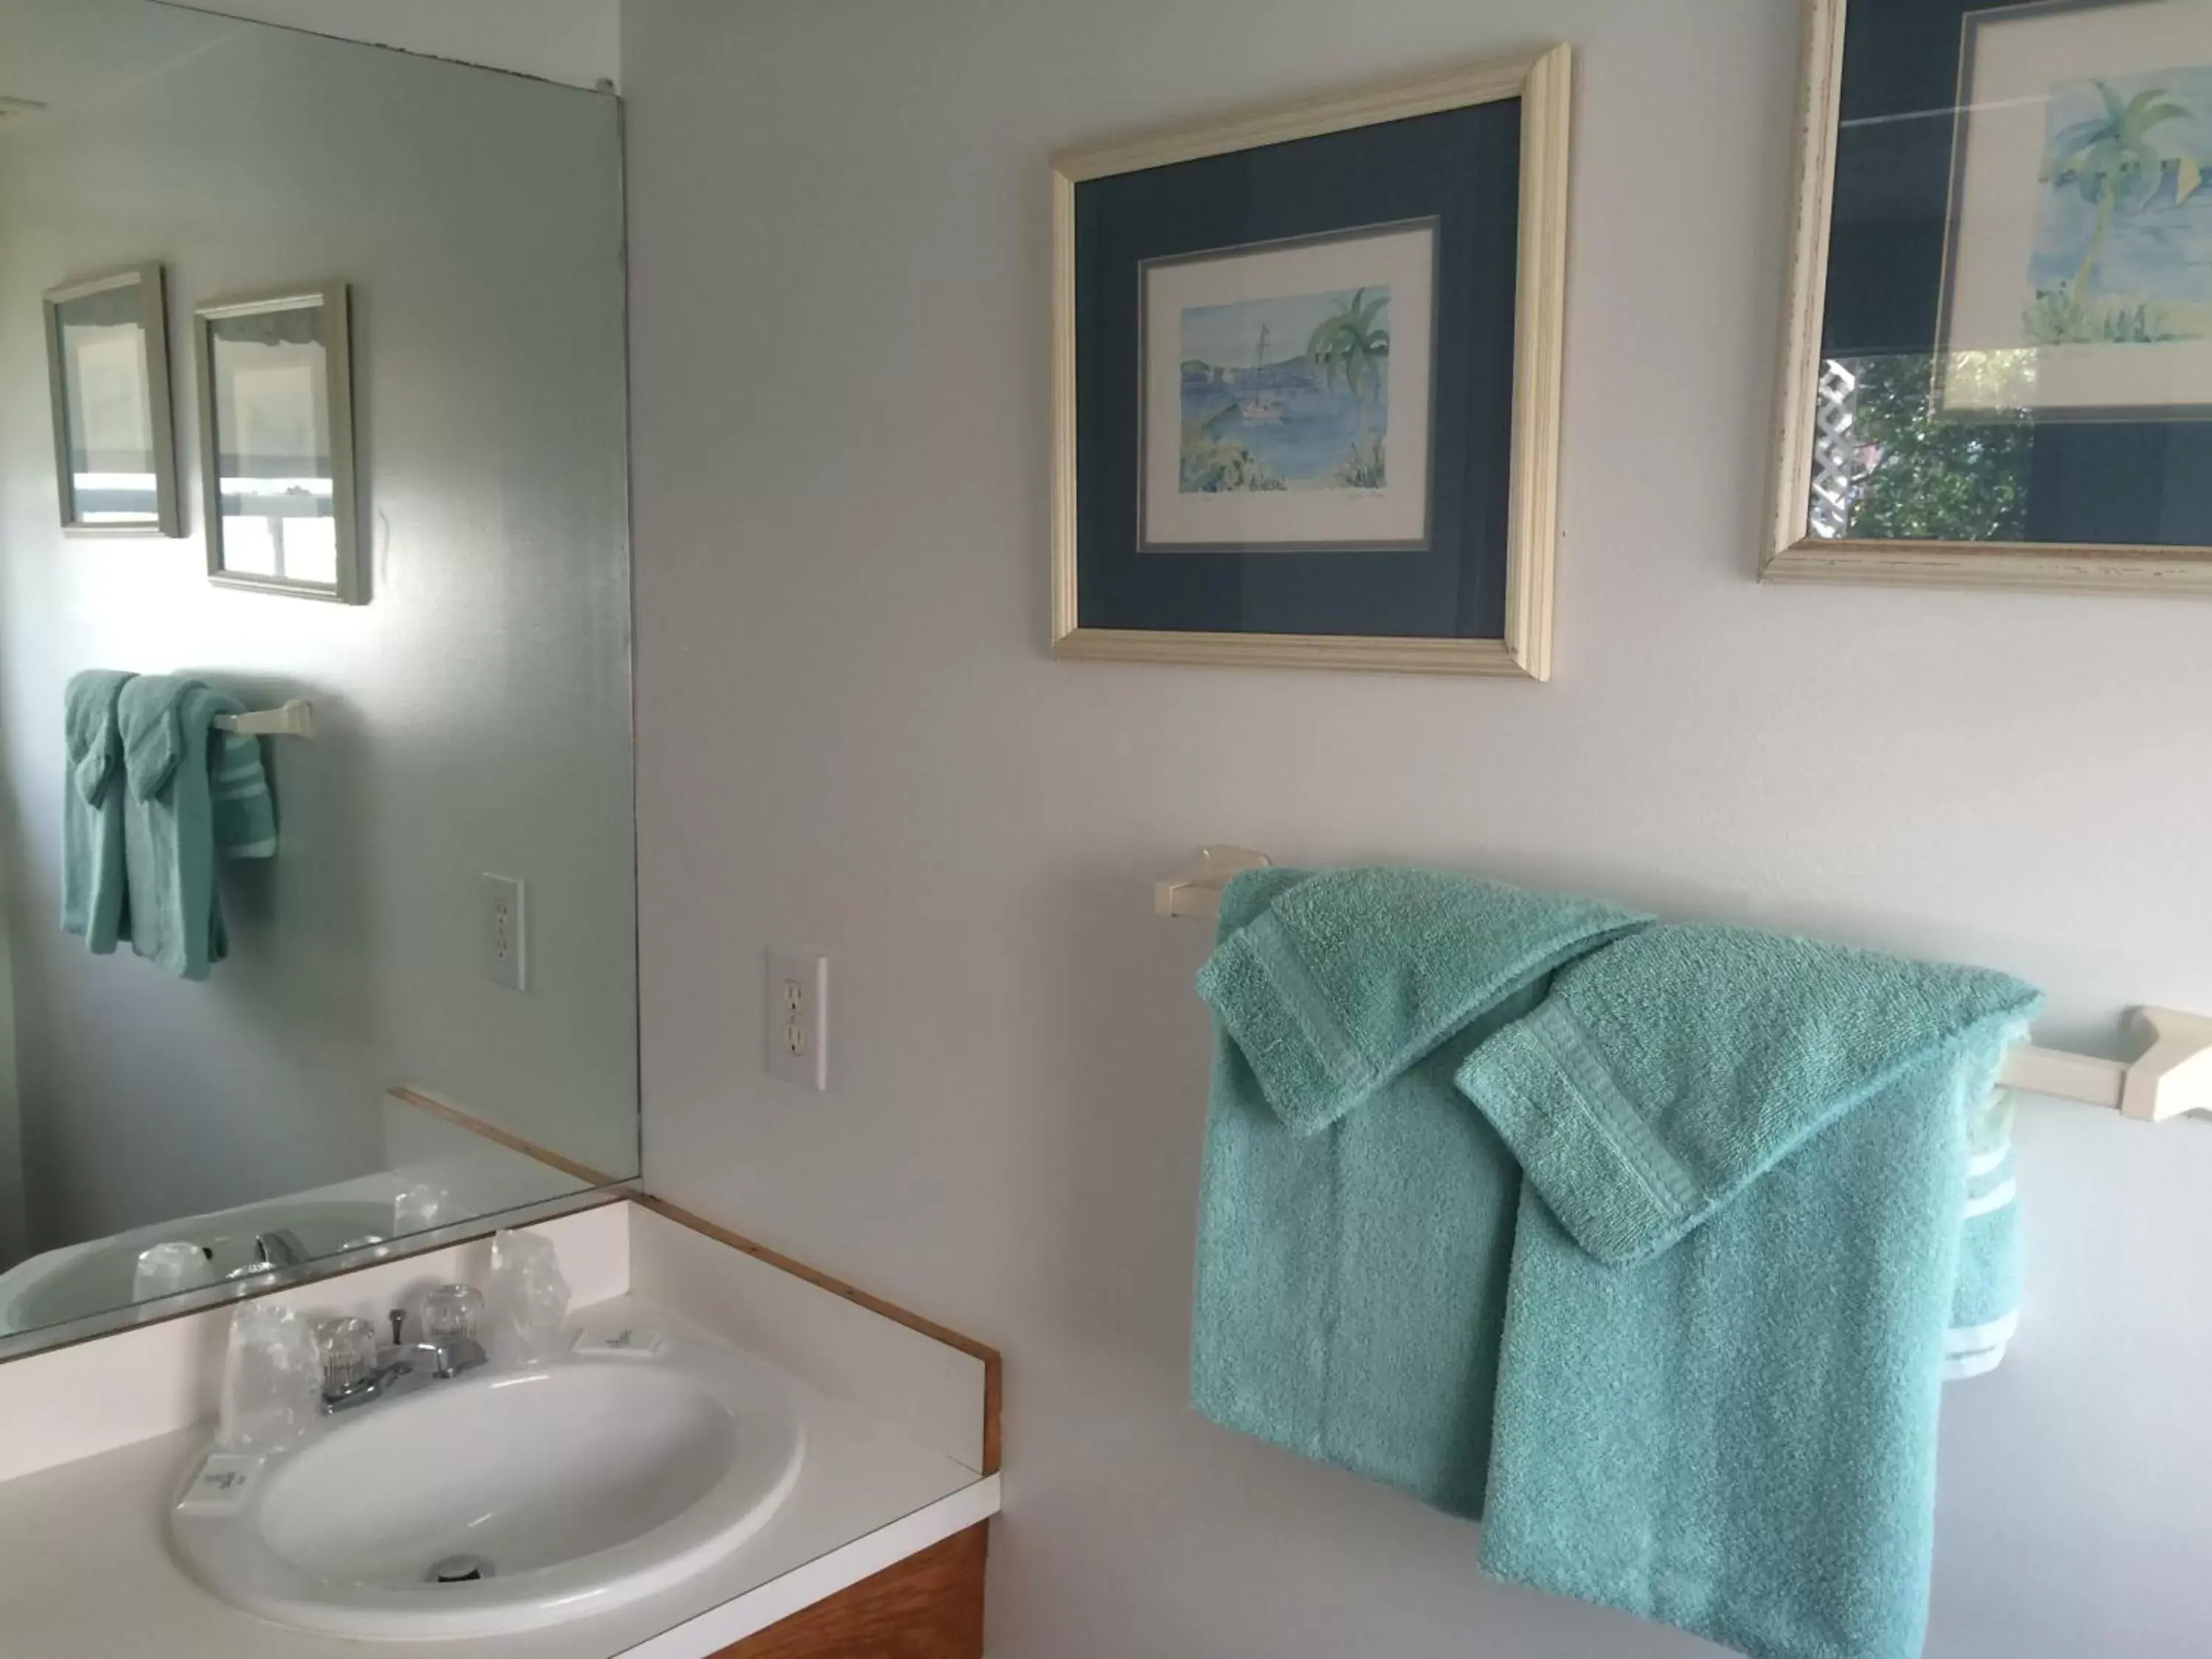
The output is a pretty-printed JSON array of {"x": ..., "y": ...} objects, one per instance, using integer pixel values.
[{"x": 320, "y": 917}]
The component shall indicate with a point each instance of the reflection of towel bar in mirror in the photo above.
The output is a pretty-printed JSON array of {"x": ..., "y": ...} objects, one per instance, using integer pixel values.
[
  {"x": 2172, "y": 1076},
  {"x": 294, "y": 719}
]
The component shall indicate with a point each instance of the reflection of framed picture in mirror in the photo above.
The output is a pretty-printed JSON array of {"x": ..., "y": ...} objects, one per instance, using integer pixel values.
[
  {"x": 277, "y": 443},
  {"x": 1306, "y": 380},
  {"x": 1999, "y": 361},
  {"x": 115, "y": 456}
]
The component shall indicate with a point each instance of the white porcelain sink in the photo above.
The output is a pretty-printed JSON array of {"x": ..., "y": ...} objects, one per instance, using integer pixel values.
[{"x": 581, "y": 1486}]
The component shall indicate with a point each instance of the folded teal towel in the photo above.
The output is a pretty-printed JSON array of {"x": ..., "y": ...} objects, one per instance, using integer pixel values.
[
  {"x": 1352, "y": 1264},
  {"x": 1348, "y": 978},
  {"x": 1735, "y": 1435},
  {"x": 93, "y": 887},
  {"x": 189, "y": 797},
  {"x": 1700, "y": 1353}
]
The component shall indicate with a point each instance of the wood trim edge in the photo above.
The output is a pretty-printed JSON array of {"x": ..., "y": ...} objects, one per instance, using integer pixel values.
[
  {"x": 928, "y": 1606},
  {"x": 994, "y": 1365},
  {"x": 408, "y": 1096}
]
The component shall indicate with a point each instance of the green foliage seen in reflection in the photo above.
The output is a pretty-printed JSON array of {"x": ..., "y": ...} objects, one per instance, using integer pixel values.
[{"x": 1923, "y": 476}]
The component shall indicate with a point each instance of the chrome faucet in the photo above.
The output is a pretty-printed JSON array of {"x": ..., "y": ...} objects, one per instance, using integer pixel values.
[
  {"x": 279, "y": 1247},
  {"x": 357, "y": 1369}
]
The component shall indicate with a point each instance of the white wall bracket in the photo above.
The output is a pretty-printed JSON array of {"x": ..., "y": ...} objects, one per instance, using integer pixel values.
[
  {"x": 294, "y": 719},
  {"x": 2171, "y": 1077},
  {"x": 1196, "y": 893}
]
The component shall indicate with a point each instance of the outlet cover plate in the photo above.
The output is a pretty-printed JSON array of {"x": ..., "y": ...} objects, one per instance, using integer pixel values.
[
  {"x": 506, "y": 933},
  {"x": 798, "y": 1019}
]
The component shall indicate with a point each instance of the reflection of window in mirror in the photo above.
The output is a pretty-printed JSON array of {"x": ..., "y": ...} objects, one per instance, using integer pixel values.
[
  {"x": 273, "y": 457},
  {"x": 275, "y": 394},
  {"x": 107, "y": 352}
]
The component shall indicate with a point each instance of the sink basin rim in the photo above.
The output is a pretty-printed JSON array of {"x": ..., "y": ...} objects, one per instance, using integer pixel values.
[{"x": 229, "y": 1557}]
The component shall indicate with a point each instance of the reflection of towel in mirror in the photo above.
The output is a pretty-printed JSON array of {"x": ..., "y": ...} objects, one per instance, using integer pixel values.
[
  {"x": 193, "y": 792},
  {"x": 92, "y": 810}
]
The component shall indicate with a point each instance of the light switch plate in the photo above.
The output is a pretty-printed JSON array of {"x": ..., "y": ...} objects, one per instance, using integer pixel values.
[
  {"x": 798, "y": 1019},
  {"x": 506, "y": 933}
]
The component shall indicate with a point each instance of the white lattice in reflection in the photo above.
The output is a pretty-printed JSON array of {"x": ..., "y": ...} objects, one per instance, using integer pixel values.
[{"x": 1835, "y": 452}]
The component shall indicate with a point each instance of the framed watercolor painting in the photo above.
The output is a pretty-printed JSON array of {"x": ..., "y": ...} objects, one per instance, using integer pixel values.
[
  {"x": 1306, "y": 378},
  {"x": 1999, "y": 369},
  {"x": 115, "y": 454}
]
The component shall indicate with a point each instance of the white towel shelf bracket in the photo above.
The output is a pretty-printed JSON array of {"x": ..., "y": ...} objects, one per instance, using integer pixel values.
[
  {"x": 294, "y": 719},
  {"x": 2172, "y": 1076}
]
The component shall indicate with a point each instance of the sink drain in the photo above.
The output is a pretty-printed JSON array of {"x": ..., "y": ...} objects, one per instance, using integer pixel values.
[{"x": 460, "y": 1569}]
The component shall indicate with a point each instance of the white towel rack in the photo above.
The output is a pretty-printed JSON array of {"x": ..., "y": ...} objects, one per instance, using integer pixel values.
[
  {"x": 2173, "y": 1074},
  {"x": 294, "y": 719}
]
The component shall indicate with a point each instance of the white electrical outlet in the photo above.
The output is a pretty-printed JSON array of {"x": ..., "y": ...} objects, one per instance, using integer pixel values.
[
  {"x": 507, "y": 937},
  {"x": 798, "y": 1019}
]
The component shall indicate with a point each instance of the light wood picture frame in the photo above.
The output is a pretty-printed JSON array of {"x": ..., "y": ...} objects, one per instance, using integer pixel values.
[
  {"x": 139, "y": 487},
  {"x": 1542, "y": 83},
  {"x": 306, "y": 397},
  {"x": 1792, "y": 551}
]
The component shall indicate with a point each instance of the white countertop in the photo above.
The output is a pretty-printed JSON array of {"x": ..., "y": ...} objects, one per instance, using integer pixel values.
[{"x": 86, "y": 1573}]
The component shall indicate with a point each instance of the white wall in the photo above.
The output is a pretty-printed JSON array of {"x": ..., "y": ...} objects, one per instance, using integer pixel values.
[
  {"x": 474, "y": 716},
  {"x": 851, "y": 740},
  {"x": 578, "y": 42}
]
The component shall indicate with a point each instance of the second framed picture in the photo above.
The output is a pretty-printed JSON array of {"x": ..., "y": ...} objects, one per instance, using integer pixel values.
[
  {"x": 276, "y": 442},
  {"x": 1307, "y": 377},
  {"x": 1999, "y": 370}
]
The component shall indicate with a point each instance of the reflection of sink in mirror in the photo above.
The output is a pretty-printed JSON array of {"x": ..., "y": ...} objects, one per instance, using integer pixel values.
[
  {"x": 86, "y": 1278},
  {"x": 502, "y": 1503}
]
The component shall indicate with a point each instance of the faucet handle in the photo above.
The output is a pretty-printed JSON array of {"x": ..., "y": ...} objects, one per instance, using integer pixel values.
[
  {"x": 347, "y": 1347},
  {"x": 453, "y": 1310},
  {"x": 399, "y": 1318}
]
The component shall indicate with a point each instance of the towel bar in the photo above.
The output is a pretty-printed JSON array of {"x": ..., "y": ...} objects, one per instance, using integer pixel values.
[
  {"x": 2172, "y": 1076},
  {"x": 294, "y": 719}
]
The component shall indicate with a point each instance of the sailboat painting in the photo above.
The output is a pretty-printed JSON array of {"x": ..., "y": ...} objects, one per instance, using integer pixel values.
[{"x": 1287, "y": 391}]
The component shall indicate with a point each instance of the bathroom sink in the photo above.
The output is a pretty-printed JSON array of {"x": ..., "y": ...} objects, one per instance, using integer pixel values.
[{"x": 502, "y": 1501}]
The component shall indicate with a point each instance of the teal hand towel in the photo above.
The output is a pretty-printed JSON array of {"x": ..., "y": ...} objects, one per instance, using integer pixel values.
[
  {"x": 1352, "y": 1264},
  {"x": 1347, "y": 979},
  {"x": 1735, "y": 1262},
  {"x": 173, "y": 824},
  {"x": 244, "y": 809},
  {"x": 94, "y": 891}
]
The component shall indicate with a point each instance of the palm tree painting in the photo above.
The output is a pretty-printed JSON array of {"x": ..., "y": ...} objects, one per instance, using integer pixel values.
[
  {"x": 1259, "y": 413},
  {"x": 1348, "y": 344},
  {"x": 2122, "y": 251}
]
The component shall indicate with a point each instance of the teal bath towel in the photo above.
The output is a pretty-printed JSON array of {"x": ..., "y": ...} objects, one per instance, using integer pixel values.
[
  {"x": 1734, "y": 1270},
  {"x": 192, "y": 792},
  {"x": 93, "y": 888},
  {"x": 1662, "y": 1282},
  {"x": 1351, "y": 1268}
]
